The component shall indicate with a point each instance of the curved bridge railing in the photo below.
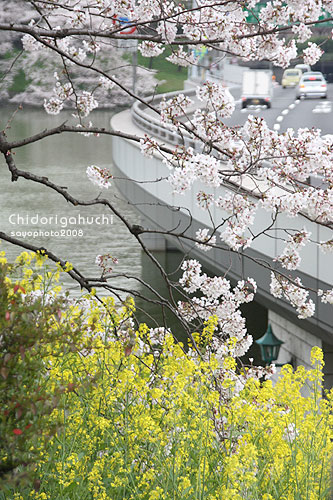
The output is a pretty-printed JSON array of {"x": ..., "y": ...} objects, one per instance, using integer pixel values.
[{"x": 145, "y": 121}]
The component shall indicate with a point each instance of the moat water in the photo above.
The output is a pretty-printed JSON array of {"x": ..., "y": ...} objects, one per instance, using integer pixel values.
[{"x": 36, "y": 215}]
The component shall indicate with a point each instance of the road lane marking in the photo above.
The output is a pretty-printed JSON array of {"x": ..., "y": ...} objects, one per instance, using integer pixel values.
[
  {"x": 284, "y": 112},
  {"x": 323, "y": 107},
  {"x": 253, "y": 109}
]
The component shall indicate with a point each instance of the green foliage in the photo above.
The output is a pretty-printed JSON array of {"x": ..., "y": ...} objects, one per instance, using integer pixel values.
[
  {"x": 138, "y": 418},
  {"x": 326, "y": 44},
  {"x": 9, "y": 54},
  {"x": 20, "y": 82}
]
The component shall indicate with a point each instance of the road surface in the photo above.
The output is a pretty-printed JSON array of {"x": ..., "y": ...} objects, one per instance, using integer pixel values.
[{"x": 289, "y": 112}]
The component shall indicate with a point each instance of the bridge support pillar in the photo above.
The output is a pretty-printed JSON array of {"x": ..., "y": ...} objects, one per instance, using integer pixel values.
[
  {"x": 328, "y": 368},
  {"x": 154, "y": 242},
  {"x": 297, "y": 342}
]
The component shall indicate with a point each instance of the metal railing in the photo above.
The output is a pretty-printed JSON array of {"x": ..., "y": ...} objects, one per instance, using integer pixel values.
[{"x": 153, "y": 126}]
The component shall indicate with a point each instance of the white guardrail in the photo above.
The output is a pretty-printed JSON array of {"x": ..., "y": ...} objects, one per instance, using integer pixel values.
[{"x": 153, "y": 125}]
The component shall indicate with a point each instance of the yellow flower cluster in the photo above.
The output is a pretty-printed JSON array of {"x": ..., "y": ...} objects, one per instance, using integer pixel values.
[
  {"x": 149, "y": 429},
  {"x": 151, "y": 423}
]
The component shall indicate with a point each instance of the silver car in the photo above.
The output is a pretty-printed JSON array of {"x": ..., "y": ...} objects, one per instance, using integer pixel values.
[{"x": 312, "y": 84}]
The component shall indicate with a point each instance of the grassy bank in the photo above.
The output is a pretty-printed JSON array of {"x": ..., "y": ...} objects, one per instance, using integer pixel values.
[{"x": 172, "y": 76}]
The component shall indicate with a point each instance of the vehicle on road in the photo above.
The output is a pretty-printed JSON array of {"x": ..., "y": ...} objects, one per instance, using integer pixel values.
[
  {"x": 257, "y": 88},
  {"x": 303, "y": 67},
  {"x": 312, "y": 84},
  {"x": 291, "y": 77}
]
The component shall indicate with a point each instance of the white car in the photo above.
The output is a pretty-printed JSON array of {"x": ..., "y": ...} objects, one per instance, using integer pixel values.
[
  {"x": 312, "y": 84},
  {"x": 303, "y": 67}
]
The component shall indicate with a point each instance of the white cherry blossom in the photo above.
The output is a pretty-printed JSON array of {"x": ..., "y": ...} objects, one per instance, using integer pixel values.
[
  {"x": 53, "y": 106},
  {"x": 204, "y": 236},
  {"x": 99, "y": 176},
  {"x": 312, "y": 54},
  {"x": 150, "y": 49}
]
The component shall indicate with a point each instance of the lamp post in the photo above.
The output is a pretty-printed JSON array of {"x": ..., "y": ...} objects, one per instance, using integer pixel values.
[{"x": 270, "y": 347}]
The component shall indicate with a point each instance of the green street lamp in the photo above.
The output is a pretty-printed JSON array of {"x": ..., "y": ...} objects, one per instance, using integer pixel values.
[{"x": 269, "y": 346}]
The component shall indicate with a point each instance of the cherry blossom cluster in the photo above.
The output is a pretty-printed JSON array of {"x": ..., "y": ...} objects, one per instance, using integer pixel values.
[
  {"x": 199, "y": 166},
  {"x": 204, "y": 200},
  {"x": 106, "y": 262},
  {"x": 204, "y": 236},
  {"x": 172, "y": 109},
  {"x": 62, "y": 90},
  {"x": 106, "y": 83},
  {"x": 157, "y": 335},
  {"x": 84, "y": 102},
  {"x": 53, "y": 106},
  {"x": 182, "y": 58},
  {"x": 326, "y": 246},
  {"x": 326, "y": 297},
  {"x": 294, "y": 292},
  {"x": 220, "y": 301},
  {"x": 312, "y": 53},
  {"x": 242, "y": 211},
  {"x": 303, "y": 32},
  {"x": 218, "y": 96},
  {"x": 290, "y": 433},
  {"x": 30, "y": 44},
  {"x": 290, "y": 257},
  {"x": 91, "y": 46},
  {"x": 151, "y": 49},
  {"x": 209, "y": 128},
  {"x": 148, "y": 146},
  {"x": 238, "y": 381},
  {"x": 167, "y": 30},
  {"x": 99, "y": 176}
]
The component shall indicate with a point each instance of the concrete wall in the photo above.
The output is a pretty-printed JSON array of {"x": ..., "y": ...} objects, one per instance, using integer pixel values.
[
  {"x": 328, "y": 368},
  {"x": 297, "y": 342}
]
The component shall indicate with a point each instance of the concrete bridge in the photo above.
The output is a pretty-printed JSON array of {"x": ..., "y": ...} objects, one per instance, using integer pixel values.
[{"x": 156, "y": 203}]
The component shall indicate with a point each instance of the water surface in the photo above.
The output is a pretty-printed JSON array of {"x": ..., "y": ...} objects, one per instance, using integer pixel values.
[{"x": 28, "y": 208}]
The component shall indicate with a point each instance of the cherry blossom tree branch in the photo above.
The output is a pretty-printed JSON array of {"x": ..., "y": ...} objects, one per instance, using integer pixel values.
[{"x": 179, "y": 40}]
